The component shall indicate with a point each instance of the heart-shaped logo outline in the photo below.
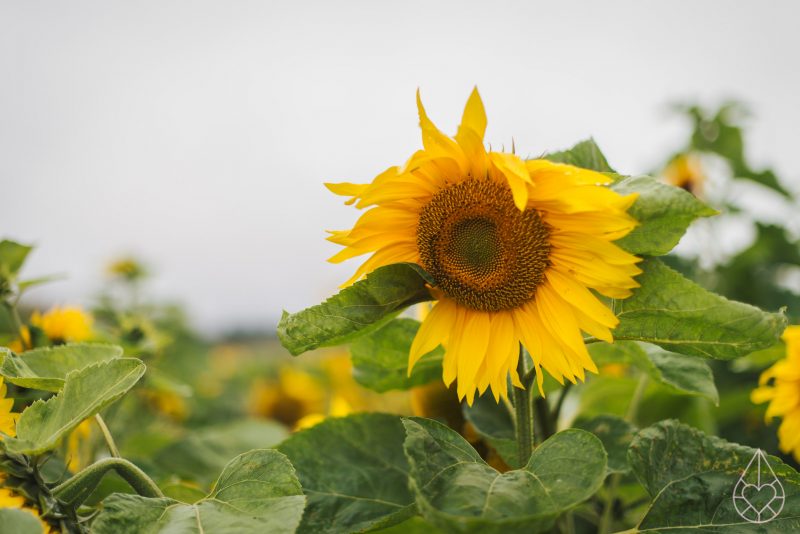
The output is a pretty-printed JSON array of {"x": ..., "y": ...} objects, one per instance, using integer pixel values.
[{"x": 765, "y": 477}]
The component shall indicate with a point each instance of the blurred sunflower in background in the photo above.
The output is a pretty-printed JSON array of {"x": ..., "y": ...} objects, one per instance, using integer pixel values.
[
  {"x": 780, "y": 386},
  {"x": 514, "y": 247},
  {"x": 686, "y": 171},
  {"x": 67, "y": 324}
]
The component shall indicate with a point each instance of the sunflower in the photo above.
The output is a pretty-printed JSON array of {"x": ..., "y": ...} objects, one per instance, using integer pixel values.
[
  {"x": 62, "y": 325},
  {"x": 780, "y": 386},
  {"x": 515, "y": 248},
  {"x": 686, "y": 171}
]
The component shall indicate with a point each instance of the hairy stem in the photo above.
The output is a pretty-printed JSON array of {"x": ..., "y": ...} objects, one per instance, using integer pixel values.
[
  {"x": 112, "y": 447},
  {"x": 75, "y": 490},
  {"x": 523, "y": 411}
]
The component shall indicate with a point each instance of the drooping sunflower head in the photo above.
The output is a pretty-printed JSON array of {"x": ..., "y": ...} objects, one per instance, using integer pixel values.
[
  {"x": 515, "y": 248},
  {"x": 780, "y": 386}
]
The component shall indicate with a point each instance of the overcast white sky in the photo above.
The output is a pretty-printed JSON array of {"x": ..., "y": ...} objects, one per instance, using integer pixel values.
[{"x": 197, "y": 134}]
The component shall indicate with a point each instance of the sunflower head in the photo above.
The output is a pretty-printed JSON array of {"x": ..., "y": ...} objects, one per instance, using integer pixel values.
[
  {"x": 519, "y": 251},
  {"x": 64, "y": 325},
  {"x": 686, "y": 171},
  {"x": 780, "y": 387}
]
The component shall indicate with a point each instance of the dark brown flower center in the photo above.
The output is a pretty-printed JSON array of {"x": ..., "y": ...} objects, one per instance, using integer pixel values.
[{"x": 483, "y": 252}]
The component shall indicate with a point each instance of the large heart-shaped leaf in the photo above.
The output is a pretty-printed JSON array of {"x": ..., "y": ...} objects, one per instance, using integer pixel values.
[
  {"x": 353, "y": 472},
  {"x": 685, "y": 375},
  {"x": 693, "y": 478},
  {"x": 380, "y": 359},
  {"x": 46, "y": 368},
  {"x": 85, "y": 393},
  {"x": 256, "y": 492},
  {"x": 457, "y": 491},
  {"x": 355, "y": 310},
  {"x": 675, "y": 313}
]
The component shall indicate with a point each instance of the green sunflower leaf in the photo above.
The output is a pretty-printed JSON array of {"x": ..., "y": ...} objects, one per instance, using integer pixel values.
[
  {"x": 12, "y": 257},
  {"x": 20, "y": 521},
  {"x": 493, "y": 422},
  {"x": 46, "y": 368},
  {"x": 353, "y": 472},
  {"x": 678, "y": 315},
  {"x": 380, "y": 359},
  {"x": 256, "y": 492},
  {"x": 85, "y": 393},
  {"x": 203, "y": 452},
  {"x": 685, "y": 375},
  {"x": 693, "y": 478},
  {"x": 586, "y": 155},
  {"x": 457, "y": 491},
  {"x": 356, "y": 310},
  {"x": 664, "y": 213},
  {"x": 616, "y": 435}
]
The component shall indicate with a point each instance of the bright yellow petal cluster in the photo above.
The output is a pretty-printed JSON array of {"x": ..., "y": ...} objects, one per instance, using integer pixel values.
[
  {"x": 582, "y": 218},
  {"x": 780, "y": 386},
  {"x": 8, "y": 419},
  {"x": 67, "y": 324}
]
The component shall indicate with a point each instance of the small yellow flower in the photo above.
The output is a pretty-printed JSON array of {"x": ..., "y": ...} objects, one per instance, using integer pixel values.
[
  {"x": 8, "y": 419},
  {"x": 518, "y": 249},
  {"x": 780, "y": 386},
  {"x": 686, "y": 171},
  {"x": 127, "y": 268},
  {"x": 63, "y": 325},
  {"x": 9, "y": 499}
]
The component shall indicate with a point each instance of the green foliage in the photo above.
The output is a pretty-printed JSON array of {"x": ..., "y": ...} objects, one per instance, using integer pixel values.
[
  {"x": 492, "y": 421},
  {"x": 664, "y": 213},
  {"x": 203, "y": 452},
  {"x": 12, "y": 257},
  {"x": 457, "y": 491},
  {"x": 616, "y": 435},
  {"x": 721, "y": 133},
  {"x": 675, "y": 313},
  {"x": 380, "y": 359},
  {"x": 46, "y": 368},
  {"x": 681, "y": 374},
  {"x": 692, "y": 477},
  {"x": 18, "y": 521},
  {"x": 353, "y": 472},
  {"x": 85, "y": 393},
  {"x": 74, "y": 491},
  {"x": 355, "y": 310},
  {"x": 256, "y": 492},
  {"x": 585, "y": 154}
]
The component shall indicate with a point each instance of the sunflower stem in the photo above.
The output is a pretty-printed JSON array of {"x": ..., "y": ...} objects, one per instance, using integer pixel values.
[
  {"x": 112, "y": 447},
  {"x": 611, "y": 495},
  {"x": 523, "y": 408}
]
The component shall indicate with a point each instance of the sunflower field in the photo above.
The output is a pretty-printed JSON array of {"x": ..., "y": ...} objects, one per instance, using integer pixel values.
[{"x": 521, "y": 348}]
